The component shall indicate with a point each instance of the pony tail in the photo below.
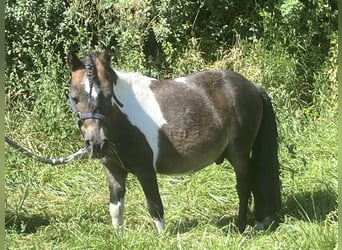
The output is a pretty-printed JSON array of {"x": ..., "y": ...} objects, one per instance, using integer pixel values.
[{"x": 265, "y": 164}]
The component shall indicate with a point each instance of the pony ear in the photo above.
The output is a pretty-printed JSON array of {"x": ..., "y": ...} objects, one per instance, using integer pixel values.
[
  {"x": 74, "y": 62},
  {"x": 107, "y": 55}
]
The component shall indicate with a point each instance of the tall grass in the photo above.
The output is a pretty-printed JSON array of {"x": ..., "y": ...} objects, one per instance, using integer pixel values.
[{"x": 67, "y": 207}]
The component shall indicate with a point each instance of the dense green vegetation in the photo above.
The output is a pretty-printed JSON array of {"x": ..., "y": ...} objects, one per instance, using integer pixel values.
[{"x": 288, "y": 46}]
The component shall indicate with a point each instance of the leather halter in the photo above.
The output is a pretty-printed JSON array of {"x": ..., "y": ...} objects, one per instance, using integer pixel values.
[{"x": 84, "y": 116}]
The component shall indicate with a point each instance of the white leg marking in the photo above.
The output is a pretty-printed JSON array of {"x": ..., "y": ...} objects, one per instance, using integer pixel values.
[
  {"x": 160, "y": 224},
  {"x": 141, "y": 107},
  {"x": 116, "y": 212},
  {"x": 260, "y": 226}
]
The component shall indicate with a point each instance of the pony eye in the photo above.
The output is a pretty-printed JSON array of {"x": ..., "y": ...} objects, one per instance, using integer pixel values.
[{"x": 74, "y": 99}]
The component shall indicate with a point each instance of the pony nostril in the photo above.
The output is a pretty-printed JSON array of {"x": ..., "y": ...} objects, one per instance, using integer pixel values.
[
  {"x": 96, "y": 149},
  {"x": 87, "y": 143},
  {"x": 104, "y": 144}
]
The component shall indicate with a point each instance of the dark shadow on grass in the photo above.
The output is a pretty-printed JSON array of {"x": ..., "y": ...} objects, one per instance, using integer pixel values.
[
  {"x": 22, "y": 223},
  {"x": 25, "y": 223},
  {"x": 310, "y": 206},
  {"x": 184, "y": 226},
  {"x": 227, "y": 224}
]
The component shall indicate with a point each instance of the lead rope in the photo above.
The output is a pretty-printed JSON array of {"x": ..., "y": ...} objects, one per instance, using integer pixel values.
[
  {"x": 51, "y": 161},
  {"x": 56, "y": 161}
]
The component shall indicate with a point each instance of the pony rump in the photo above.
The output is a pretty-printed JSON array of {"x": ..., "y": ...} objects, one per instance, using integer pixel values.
[{"x": 265, "y": 164}]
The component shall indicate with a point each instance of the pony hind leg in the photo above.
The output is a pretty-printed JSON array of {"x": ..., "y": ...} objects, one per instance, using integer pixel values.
[{"x": 241, "y": 163}]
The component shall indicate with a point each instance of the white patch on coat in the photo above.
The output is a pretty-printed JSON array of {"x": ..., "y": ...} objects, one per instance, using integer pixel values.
[
  {"x": 181, "y": 79},
  {"x": 116, "y": 212},
  {"x": 141, "y": 107},
  {"x": 160, "y": 224},
  {"x": 95, "y": 89}
]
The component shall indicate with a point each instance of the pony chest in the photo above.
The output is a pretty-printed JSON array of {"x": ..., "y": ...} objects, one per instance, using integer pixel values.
[{"x": 143, "y": 112}]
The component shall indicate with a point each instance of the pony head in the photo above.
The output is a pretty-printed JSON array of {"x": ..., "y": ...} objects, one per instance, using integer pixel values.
[{"x": 91, "y": 98}]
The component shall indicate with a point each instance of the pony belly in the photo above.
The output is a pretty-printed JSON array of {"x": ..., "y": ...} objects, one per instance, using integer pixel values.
[
  {"x": 173, "y": 162},
  {"x": 180, "y": 168},
  {"x": 183, "y": 166}
]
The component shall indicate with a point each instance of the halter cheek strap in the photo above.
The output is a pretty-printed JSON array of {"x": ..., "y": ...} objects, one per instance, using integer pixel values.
[{"x": 84, "y": 116}]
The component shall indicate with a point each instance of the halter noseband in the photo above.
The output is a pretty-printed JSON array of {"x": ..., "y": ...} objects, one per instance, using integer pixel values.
[{"x": 84, "y": 116}]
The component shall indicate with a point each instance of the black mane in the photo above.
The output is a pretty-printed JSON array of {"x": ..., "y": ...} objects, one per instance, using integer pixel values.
[{"x": 90, "y": 65}]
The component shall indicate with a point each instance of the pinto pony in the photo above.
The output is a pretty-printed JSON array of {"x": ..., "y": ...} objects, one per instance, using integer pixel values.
[{"x": 144, "y": 126}]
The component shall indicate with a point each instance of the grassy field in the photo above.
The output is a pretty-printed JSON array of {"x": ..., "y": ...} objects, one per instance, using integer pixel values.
[{"x": 66, "y": 207}]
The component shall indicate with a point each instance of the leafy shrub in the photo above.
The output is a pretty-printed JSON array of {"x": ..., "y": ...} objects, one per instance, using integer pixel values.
[{"x": 304, "y": 29}]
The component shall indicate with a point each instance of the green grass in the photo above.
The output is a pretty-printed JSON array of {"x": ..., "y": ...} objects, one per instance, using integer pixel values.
[{"x": 66, "y": 207}]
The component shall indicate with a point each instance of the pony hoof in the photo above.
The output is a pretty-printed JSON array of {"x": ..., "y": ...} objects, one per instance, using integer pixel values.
[
  {"x": 160, "y": 224},
  {"x": 263, "y": 225},
  {"x": 241, "y": 226},
  {"x": 117, "y": 227}
]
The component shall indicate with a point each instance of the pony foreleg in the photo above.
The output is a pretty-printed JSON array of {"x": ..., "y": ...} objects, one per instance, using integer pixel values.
[
  {"x": 154, "y": 203},
  {"x": 116, "y": 182},
  {"x": 116, "y": 212}
]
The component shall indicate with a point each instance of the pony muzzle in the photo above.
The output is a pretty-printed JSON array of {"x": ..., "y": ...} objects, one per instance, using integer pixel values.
[
  {"x": 96, "y": 148},
  {"x": 95, "y": 137}
]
